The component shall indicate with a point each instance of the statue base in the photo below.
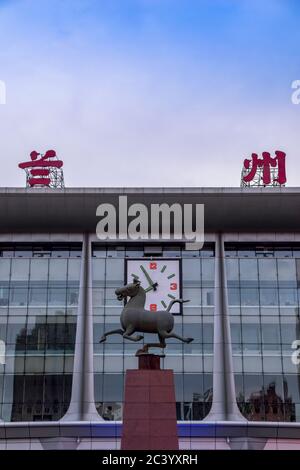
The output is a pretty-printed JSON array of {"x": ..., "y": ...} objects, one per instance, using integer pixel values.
[{"x": 149, "y": 417}]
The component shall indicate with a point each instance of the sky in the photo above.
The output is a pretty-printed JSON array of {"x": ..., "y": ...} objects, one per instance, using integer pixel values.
[{"x": 149, "y": 92}]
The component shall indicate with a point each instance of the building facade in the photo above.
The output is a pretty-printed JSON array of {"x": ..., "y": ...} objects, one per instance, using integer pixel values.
[{"x": 237, "y": 384}]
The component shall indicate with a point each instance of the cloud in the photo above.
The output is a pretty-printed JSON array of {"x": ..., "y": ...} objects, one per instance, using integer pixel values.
[{"x": 139, "y": 106}]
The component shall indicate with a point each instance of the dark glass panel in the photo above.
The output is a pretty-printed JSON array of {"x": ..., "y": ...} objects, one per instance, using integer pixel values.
[
  {"x": 134, "y": 251},
  {"x": 208, "y": 333},
  {"x": 191, "y": 272},
  {"x": 239, "y": 388},
  {"x": 113, "y": 387},
  {"x": 234, "y": 297},
  {"x": 249, "y": 297},
  {"x": 18, "y": 296},
  {"x": 267, "y": 272},
  {"x": 291, "y": 386},
  {"x": 269, "y": 297},
  {"x": 287, "y": 272},
  {"x": 270, "y": 333},
  {"x": 290, "y": 329},
  {"x": 248, "y": 272},
  {"x": 288, "y": 297},
  {"x": 208, "y": 271},
  {"x": 193, "y": 330},
  {"x": 178, "y": 381},
  {"x": 4, "y": 297},
  {"x": 193, "y": 387},
  {"x": 232, "y": 269}
]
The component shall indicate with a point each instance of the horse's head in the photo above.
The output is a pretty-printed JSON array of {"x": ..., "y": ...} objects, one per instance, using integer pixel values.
[{"x": 130, "y": 290}]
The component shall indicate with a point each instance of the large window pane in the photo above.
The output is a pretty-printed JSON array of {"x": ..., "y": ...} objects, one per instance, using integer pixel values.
[
  {"x": 207, "y": 297},
  {"x": 72, "y": 296},
  {"x": 290, "y": 330},
  {"x": 269, "y": 297},
  {"x": 20, "y": 270},
  {"x": 288, "y": 297},
  {"x": 57, "y": 297},
  {"x": 4, "y": 296},
  {"x": 208, "y": 271},
  {"x": 270, "y": 333},
  {"x": 291, "y": 384},
  {"x": 287, "y": 272},
  {"x": 234, "y": 297},
  {"x": 4, "y": 269},
  {"x": 249, "y": 297},
  {"x": 232, "y": 269},
  {"x": 58, "y": 270},
  {"x": 267, "y": 272},
  {"x": 251, "y": 333},
  {"x": 193, "y": 295},
  {"x": 98, "y": 269},
  {"x": 253, "y": 386},
  {"x": 18, "y": 296},
  {"x": 39, "y": 270},
  {"x": 16, "y": 332},
  {"x": 115, "y": 271},
  {"x": 113, "y": 387},
  {"x": 74, "y": 266},
  {"x": 193, "y": 387},
  {"x": 37, "y": 296},
  {"x": 248, "y": 271},
  {"x": 191, "y": 273}
]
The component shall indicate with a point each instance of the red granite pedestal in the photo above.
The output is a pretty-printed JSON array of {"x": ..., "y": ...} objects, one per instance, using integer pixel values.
[{"x": 149, "y": 418}]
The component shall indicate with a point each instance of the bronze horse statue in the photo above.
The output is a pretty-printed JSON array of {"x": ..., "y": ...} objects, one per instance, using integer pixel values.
[{"x": 134, "y": 318}]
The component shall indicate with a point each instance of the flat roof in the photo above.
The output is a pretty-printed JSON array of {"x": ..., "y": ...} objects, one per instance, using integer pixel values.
[{"x": 74, "y": 209}]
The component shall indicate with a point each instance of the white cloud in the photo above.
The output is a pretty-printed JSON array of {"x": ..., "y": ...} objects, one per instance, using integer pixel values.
[{"x": 130, "y": 116}]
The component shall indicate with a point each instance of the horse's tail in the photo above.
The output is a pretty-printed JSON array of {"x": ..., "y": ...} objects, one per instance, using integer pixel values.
[{"x": 180, "y": 301}]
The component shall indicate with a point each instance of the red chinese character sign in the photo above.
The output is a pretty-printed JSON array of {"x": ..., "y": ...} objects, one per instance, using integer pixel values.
[
  {"x": 43, "y": 170},
  {"x": 265, "y": 171}
]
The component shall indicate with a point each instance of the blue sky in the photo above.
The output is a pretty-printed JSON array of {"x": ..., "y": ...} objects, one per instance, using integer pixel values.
[{"x": 149, "y": 92}]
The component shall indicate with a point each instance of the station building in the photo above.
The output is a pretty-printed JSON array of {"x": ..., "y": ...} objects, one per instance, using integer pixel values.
[{"x": 237, "y": 384}]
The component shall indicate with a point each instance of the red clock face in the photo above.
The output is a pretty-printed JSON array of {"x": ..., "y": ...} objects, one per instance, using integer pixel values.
[{"x": 160, "y": 279}]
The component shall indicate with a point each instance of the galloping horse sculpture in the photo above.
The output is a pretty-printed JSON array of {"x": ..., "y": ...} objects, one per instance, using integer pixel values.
[{"x": 134, "y": 318}]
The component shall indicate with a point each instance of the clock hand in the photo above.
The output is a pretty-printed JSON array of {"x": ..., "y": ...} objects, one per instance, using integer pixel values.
[
  {"x": 153, "y": 287},
  {"x": 152, "y": 284}
]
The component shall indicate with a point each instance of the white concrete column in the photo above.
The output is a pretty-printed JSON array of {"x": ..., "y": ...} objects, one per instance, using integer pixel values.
[
  {"x": 224, "y": 406},
  {"x": 82, "y": 406}
]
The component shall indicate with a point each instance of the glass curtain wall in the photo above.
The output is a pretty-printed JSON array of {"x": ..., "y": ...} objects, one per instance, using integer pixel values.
[
  {"x": 263, "y": 293},
  {"x": 39, "y": 288},
  {"x": 192, "y": 363}
]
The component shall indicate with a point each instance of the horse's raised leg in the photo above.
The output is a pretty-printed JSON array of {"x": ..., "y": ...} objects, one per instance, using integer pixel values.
[
  {"x": 119, "y": 331},
  {"x": 127, "y": 334},
  {"x": 165, "y": 334}
]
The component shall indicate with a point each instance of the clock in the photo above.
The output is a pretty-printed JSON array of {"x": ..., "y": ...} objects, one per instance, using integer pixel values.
[{"x": 161, "y": 280}]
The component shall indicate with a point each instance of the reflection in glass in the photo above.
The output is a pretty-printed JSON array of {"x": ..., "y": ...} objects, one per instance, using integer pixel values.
[
  {"x": 249, "y": 297},
  {"x": 38, "y": 334},
  {"x": 269, "y": 297},
  {"x": 248, "y": 271}
]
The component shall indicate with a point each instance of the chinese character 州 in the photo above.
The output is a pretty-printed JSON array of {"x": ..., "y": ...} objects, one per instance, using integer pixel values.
[
  {"x": 39, "y": 168},
  {"x": 266, "y": 163}
]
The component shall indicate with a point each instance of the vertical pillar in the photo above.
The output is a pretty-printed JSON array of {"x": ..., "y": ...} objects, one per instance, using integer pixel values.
[
  {"x": 82, "y": 406},
  {"x": 224, "y": 406}
]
